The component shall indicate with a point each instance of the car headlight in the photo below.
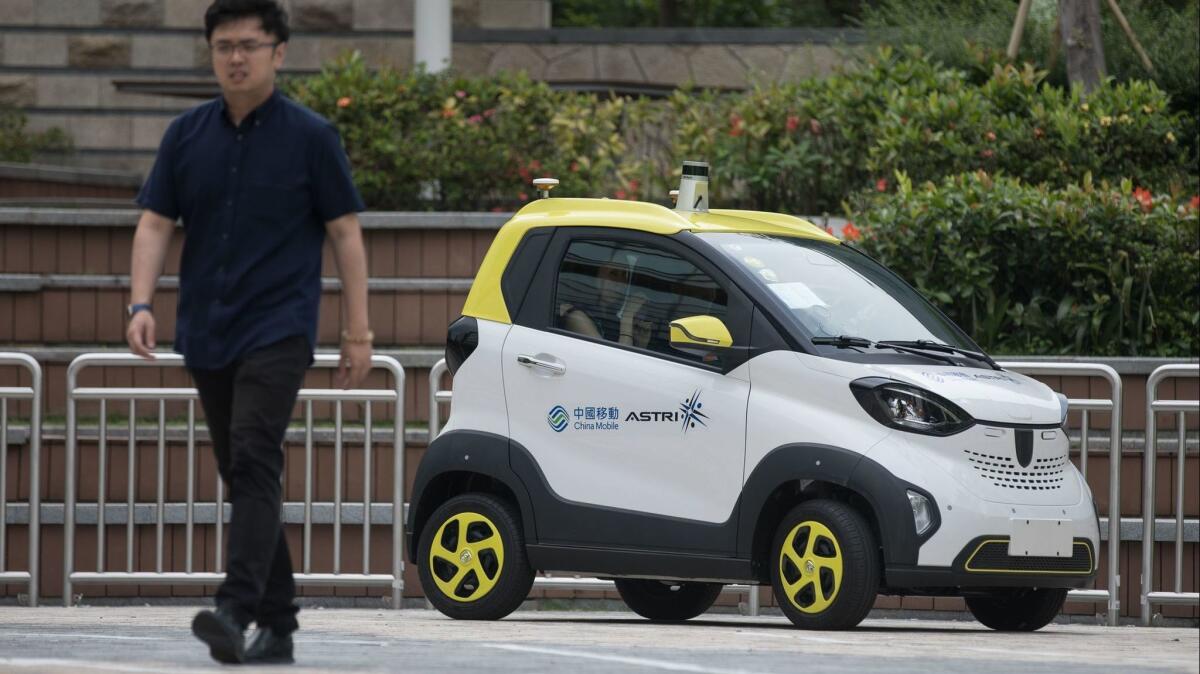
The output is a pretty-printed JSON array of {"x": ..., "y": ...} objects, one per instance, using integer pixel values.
[{"x": 909, "y": 408}]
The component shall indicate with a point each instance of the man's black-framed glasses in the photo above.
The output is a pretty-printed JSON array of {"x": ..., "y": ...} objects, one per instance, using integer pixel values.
[{"x": 246, "y": 47}]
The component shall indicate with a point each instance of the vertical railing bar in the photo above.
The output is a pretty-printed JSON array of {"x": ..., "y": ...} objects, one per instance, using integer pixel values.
[
  {"x": 337, "y": 488},
  {"x": 1083, "y": 446},
  {"x": 1179, "y": 486},
  {"x": 308, "y": 484},
  {"x": 366, "y": 548},
  {"x": 69, "y": 487},
  {"x": 1148, "y": 460},
  {"x": 131, "y": 464},
  {"x": 160, "y": 492},
  {"x": 102, "y": 487},
  {"x": 35, "y": 453},
  {"x": 191, "y": 484},
  {"x": 398, "y": 473},
  {"x": 3, "y": 480}
]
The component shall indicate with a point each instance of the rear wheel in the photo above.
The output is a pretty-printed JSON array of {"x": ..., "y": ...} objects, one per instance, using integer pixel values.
[
  {"x": 824, "y": 566},
  {"x": 667, "y": 601},
  {"x": 473, "y": 564},
  {"x": 1019, "y": 609}
]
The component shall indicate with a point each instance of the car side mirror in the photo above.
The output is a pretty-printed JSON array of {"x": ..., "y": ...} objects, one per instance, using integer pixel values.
[{"x": 700, "y": 332}]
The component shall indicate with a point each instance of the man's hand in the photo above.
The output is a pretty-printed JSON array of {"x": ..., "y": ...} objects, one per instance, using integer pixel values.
[
  {"x": 354, "y": 364},
  {"x": 140, "y": 334}
]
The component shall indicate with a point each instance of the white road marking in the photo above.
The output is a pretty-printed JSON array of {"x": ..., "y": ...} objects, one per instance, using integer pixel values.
[
  {"x": 77, "y": 635},
  {"x": 795, "y": 637},
  {"x": 78, "y": 665},
  {"x": 621, "y": 659}
]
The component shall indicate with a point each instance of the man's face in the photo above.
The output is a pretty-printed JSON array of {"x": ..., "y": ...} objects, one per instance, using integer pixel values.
[{"x": 244, "y": 57}]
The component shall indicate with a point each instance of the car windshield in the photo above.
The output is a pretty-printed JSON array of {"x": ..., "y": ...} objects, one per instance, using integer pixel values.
[{"x": 833, "y": 290}]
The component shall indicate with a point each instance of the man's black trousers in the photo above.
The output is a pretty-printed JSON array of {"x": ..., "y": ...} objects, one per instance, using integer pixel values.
[{"x": 247, "y": 405}]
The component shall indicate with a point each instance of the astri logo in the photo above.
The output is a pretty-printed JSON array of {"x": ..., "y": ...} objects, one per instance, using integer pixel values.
[
  {"x": 558, "y": 419},
  {"x": 687, "y": 416},
  {"x": 692, "y": 415}
]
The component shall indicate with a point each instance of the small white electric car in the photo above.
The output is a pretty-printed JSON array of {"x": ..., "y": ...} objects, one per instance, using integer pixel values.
[{"x": 680, "y": 399}]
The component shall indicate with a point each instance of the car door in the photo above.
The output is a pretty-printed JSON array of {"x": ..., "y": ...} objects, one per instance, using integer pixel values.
[{"x": 613, "y": 417}]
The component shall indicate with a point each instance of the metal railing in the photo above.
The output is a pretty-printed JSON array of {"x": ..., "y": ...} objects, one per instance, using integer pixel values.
[
  {"x": 130, "y": 509},
  {"x": 32, "y": 393},
  {"x": 1153, "y": 407},
  {"x": 1110, "y": 595}
]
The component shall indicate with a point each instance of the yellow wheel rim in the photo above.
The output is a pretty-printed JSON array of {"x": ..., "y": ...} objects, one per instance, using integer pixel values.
[
  {"x": 467, "y": 557},
  {"x": 810, "y": 567}
]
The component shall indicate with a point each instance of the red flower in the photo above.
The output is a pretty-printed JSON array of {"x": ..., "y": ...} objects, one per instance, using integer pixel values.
[
  {"x": 522, "y": 196},
  {"x": 1194, "y": 204},
  {"x": 735, "y": 125},
  {"x": 574, "y": 167},
  {"x": 620, "y": 194},
  {"x": 881, "y": 185},
  {"x": 987, "y": 154},
  {"x": 535, "y": 165},
  {"x": 344, "y": 102},
  {"x": 793, "y": 122},
  {"x": 633, "y": 185},
  {"x": 475, "y": 119},
  {"x": 460, "y": 93},
  {"x": 489, "y": 112},
  {"x": 1144, "y": 197},
  {"x": 851, "y": 232}
]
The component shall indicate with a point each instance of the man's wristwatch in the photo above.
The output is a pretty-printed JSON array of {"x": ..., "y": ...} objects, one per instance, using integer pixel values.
[{"x": 134, "y": 308}]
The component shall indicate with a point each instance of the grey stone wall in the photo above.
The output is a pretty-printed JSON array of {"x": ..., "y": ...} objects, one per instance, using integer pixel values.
[{"x": 100, "y": 69}]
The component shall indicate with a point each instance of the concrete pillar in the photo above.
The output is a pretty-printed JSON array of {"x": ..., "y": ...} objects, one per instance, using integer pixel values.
[{"x": 431, "y": 34}]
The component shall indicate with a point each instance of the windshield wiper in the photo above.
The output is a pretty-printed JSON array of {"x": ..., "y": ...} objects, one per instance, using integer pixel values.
[
  {"x": 944, "y": 348},
  {"x": 846, "y": 342},
  {"x": 843, "y": 341}
]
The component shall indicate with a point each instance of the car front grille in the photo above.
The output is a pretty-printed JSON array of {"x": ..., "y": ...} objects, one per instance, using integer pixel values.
[{"x": 1045, "y": 474}]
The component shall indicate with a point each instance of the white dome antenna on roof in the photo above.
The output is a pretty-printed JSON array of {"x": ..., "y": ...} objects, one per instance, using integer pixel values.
[
  {"x": 544, "y": 185},
  {"x": 693, "y": 188}
]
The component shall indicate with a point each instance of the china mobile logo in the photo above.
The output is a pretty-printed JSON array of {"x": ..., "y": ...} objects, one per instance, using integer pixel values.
[{"x": 558, "y": 418}]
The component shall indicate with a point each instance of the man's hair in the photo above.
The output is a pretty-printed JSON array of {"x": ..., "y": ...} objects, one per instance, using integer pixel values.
[{"x": 274, "y": 18}]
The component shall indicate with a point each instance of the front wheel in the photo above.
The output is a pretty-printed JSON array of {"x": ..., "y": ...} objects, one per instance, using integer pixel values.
[
  {"x": 473, "y": 564},
  {"x": 1019, "y": 609},
  {"x": 667, "y": 601},
  {"x": 825, "y": 566}
]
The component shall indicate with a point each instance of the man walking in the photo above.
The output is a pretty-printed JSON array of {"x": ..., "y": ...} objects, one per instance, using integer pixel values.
[{"x": 258, "y": 181}]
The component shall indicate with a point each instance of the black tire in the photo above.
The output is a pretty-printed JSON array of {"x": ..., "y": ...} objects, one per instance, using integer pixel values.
[
  {"x": 667, "y": 601},
  {"x": 507, "y": 577},
  {"x": 811, "y": 593},
  {"x": 1019, "y": 609}
]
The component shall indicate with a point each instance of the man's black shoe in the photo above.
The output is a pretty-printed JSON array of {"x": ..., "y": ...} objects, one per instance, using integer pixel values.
[
  {"x": 267, "y": 647},
  {"x": 223, "y": 634}
]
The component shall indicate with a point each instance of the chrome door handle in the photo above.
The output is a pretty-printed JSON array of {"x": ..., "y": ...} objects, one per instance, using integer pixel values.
[{"x": 530, "y": 361}]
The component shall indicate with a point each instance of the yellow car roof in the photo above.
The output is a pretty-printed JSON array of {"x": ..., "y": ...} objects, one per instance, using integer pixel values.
[{"x": 485, "y": 299}]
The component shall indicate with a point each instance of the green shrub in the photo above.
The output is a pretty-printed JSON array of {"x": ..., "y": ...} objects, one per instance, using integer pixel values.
[
  {"x": 19, "y": 145},
  {"x": 803, "y": 147},
  {"x": 447, "y": 142},
  {"x": 1084, "y": 270}
]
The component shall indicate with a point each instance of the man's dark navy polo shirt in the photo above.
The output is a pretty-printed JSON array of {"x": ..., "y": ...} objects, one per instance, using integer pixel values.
[{"x": 254, "y": 200}]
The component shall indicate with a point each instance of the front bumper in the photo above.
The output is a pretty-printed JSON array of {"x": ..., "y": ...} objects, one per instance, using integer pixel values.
[{"x": 985, "y": 562}]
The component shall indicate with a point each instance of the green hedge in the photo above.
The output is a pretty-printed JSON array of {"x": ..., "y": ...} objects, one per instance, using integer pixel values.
[
  {"x": 1089, "y": 270},
  {"x": 448, "y": 142}
]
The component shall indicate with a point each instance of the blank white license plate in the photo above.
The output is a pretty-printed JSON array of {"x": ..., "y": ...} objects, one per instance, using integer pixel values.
[{"x": 1040, "y": 538}]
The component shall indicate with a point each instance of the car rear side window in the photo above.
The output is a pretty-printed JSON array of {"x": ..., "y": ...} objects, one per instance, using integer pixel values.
[{"x": 628, "y": 293}]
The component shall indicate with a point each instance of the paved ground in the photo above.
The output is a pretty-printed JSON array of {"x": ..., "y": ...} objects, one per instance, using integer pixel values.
[{"x": 157, "y": 639}]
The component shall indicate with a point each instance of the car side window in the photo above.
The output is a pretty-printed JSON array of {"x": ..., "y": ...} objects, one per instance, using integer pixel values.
[{"x": 628, "y": 293}]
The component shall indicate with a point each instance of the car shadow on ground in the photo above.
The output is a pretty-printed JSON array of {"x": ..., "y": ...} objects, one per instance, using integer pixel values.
[{"x": 783, "y": 627}]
